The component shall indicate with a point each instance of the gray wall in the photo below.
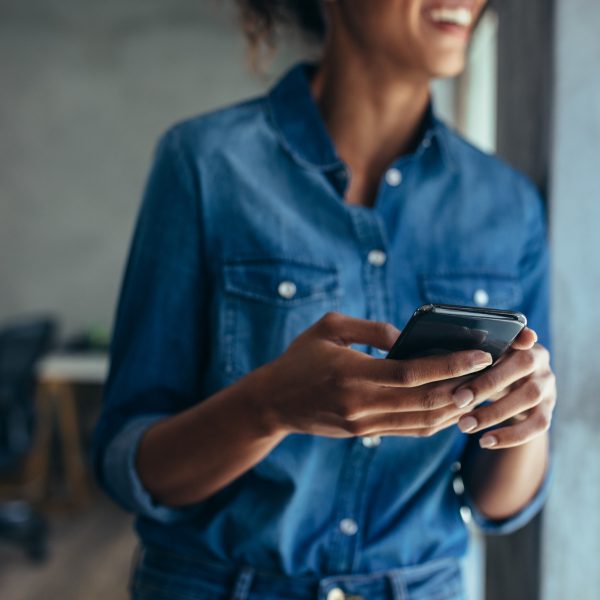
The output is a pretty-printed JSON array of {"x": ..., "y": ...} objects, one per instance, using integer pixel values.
[
  {"x": 86, "y": 88},
  {"x": 572, "y": 517}
]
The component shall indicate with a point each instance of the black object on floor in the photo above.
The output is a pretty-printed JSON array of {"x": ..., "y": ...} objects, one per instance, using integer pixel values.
[
  {"x": 22, "y": 525},
  {"x": 22, "y": 344}
]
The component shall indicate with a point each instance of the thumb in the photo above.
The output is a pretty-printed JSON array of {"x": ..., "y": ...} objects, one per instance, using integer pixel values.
[
  {"x": 345, "y": 330},
  {"x": 525, "y": 340}
]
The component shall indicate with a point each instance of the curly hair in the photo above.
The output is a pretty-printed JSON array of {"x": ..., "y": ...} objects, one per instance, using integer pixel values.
[{"x": 262, "y": 18}]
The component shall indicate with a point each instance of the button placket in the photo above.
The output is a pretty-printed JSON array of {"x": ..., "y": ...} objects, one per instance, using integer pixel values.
[
  {"x": 349, "y": 500},
  {"x": 350, "y": 496},
  {"x": 372, "y": 245}
]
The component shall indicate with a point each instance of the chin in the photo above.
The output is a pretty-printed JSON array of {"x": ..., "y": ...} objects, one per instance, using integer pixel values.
[{"x": 447, "y": 67}]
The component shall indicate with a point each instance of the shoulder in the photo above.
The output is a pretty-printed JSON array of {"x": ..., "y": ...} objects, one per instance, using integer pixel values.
[
  {"x": 474, "y": 163},
  {"x": 498, "y": 187},
  {"x": 213, "y": 132}
]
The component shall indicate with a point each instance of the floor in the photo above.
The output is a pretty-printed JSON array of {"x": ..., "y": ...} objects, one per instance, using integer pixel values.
[{"x": 90, "y": 557}]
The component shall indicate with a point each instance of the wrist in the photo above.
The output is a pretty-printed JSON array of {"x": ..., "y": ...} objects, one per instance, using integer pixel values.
[
  {"x": 502, "y": 482},
  {"x": 258, "y": 390}
]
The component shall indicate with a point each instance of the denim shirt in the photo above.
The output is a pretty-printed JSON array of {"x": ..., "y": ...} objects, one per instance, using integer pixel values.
[{"x": 242, "y": 242}]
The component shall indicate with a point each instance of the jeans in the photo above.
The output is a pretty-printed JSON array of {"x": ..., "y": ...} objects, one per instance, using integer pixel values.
[{"x": 161, "y": 575}]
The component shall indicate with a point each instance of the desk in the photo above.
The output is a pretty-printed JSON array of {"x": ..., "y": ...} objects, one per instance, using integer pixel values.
[{"x": 56, "y": 407}]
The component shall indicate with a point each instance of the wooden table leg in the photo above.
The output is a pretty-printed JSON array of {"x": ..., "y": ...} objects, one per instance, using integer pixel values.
[
  {"x": 37, "y": 468},
  {"x": 55, "y": 402},
  {"x": 71, "y": 443}
]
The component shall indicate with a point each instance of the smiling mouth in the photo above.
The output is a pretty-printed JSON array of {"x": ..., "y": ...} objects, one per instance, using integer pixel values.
[{"x": 458, "y": 16}]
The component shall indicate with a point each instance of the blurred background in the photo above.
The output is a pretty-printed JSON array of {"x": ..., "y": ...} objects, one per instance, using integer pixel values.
[{"x": 86, "y": 89}]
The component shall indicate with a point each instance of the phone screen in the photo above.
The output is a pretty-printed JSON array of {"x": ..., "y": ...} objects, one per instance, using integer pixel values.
[{"x": 430, "y": 332}]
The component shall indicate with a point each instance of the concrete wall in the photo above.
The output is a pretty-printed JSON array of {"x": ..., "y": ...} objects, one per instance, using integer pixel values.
[
  {"x": 86, "y": 88},
  {"x": 572, "y": 518}
]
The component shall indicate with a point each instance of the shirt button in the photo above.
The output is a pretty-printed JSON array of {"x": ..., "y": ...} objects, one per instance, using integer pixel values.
[
  {"x": 481, "y": 297},
  {"x": 458, "y": 485},
  {"x": 426, "y": 142},
  {"x": 335, "y": 594},
  {"x": 465, "y": 514},
  {"x": 376, "y": 258},
  {"x": 371, "y": 441},
  {"x": 393, "y": 177},
  {"x": 287, "y": 289},
  {"x": 348, "y": 526}
]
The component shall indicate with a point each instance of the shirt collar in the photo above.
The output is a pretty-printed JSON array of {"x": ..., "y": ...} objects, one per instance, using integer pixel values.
[{"x": 301, "y": 129}]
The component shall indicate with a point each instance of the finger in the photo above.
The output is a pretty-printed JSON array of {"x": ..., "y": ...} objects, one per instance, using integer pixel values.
[
  {"x": 516, "y": 366},
  {"x": 525, "y": 340},
  {"x": 382, "y": 398},
  {"x": 345, "y": 330},
  {"x": 415, "y": 431},
  {"x": 535, "y": 424},
  {"x": 398, "y": 414},
  {"x": 529, "y": 394},
  {"x": 432, "y": 396},
  {"x": 502, "y": 393},
  {"x": 420, "y": 371}
]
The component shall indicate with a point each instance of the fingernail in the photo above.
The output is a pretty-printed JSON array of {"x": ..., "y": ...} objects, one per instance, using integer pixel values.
[
  {"x": 484, "y": 359},
  {"x": 488, "y": 441},
  {"x": 462, "y": 397},
  {"x": 466, "y": 424}
]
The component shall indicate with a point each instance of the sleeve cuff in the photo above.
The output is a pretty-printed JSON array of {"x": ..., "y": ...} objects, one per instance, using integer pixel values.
[
  {"x": 122, "y": 480},
  {"x": 519, "y": 519}
]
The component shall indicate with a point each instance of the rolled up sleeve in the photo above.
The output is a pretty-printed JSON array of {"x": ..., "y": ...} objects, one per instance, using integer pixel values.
[
  {"x": 124, "y": 484},
  {"x": 159, "y": 334}
]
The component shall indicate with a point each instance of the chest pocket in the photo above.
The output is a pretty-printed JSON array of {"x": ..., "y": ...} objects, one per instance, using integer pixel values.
[
  {"x": 266, "y": 303},
  {"x": 481, "y": 290}
]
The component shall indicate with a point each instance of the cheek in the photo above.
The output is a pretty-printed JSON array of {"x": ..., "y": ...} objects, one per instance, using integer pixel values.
[
  {"x": 420, "y": 47},
  {"x": 388, "y": 25},
  {"x": 440, "y": 56},
  {"x": 397, "y": 31}
]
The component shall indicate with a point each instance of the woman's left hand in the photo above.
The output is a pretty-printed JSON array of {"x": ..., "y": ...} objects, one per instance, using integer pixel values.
[{"x": 523, "y": 389}]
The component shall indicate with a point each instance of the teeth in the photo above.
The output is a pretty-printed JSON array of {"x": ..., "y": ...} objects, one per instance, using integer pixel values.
[{"x": 457, "y": 16}]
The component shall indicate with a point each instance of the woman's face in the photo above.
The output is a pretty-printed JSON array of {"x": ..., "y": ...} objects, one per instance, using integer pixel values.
[{"x": 427, "y": 37}]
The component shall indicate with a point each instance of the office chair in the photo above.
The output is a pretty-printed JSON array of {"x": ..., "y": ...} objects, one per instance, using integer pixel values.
[{"x": 22, "y": 344}]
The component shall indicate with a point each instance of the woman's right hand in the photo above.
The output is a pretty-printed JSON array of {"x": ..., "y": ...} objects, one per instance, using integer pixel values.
[{"x": 321, "y": 386}]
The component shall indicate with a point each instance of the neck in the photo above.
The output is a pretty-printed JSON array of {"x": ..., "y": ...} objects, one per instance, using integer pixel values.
[{"x": 372, "y": 111}]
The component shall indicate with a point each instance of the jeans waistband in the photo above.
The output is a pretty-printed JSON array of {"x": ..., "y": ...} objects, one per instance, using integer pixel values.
[{"x": 161, "y": 570}]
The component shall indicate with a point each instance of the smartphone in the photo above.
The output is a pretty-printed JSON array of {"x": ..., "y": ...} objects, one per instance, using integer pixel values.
[{"x": 442, "y": 328}]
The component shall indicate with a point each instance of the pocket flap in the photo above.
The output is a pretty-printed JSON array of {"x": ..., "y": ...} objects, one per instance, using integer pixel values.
[
  {"x": 482, "y": 290},
  {"x": 280, "y": 281}
]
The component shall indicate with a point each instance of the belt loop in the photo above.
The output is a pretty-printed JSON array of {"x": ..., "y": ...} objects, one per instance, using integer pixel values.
[
  {"x": 242, "y": 584},
  {"x": 398, "y": 585}
]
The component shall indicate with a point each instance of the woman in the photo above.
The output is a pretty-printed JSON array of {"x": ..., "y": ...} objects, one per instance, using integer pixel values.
[{"x": 250, "y": 422}]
